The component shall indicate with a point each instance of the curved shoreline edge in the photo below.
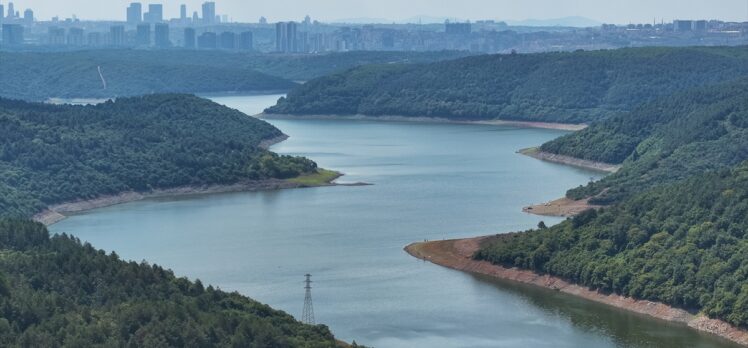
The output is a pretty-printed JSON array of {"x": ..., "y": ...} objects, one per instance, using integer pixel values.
[
  {"x": 457, "y": 254},
  {"x": 399, "y": 118},
  {"x": 58, "y": 212},
  {"x": 535, "y": 152}
]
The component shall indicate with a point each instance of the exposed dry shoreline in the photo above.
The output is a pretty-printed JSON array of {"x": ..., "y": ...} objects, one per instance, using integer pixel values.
[
  {"x": 396, "y": 118},
  {"x": 457, "y": 254},
  {"x": 563, "y": 207},
  {"x": 58, "y": 212},
  {"x": 568, "y": 160}
]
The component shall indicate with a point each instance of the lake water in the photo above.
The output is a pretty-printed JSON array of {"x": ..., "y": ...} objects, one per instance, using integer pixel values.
[{"x": 430, "y": 181}]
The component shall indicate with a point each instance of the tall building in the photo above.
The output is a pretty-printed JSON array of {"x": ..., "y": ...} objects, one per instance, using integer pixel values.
[
  {"x": 12, "y": 34},
  {"x": 457, "y": 28},
  {"x": 228, "y": 40},
  {"x": 117, "y": 35},
  {"x": 207, "y": 40},
  {"x": 183, "y": 13},
  {"x": 2, "y": 12},
  {"x": 94, "y": 39},
  {"x": 75, "y": 37},
  {"x": 28, "y": 16},
  {"x": 195, "y": 18},
  {"x": 209, "y": 12},
  {"x": 681, "y": 25},
  {"x": 155, "y": 13},
  {"x": 56, "y": 36},
  {"x": 700, "y": 25},
  {"x": 135, "y": 13},
  {"x": 11, "y": 11},
  {"x": 280, "y": 37},
  {"x": 161, "y": 38},
  {"x": 143, "y": 35},
  {"x": 189, "y": 38},
  {"x": 246, "y": 41},
  {"x": 286, "y": 37}
]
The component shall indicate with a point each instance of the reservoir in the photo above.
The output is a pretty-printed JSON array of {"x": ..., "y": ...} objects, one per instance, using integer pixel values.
[{"x": 429, "y": 181}]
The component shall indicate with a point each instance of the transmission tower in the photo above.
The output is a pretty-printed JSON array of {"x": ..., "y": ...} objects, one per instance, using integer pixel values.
[{"x": 307, "y": 316}]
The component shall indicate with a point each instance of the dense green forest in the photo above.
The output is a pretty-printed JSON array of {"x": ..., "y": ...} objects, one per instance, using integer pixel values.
[
  {"x": 684, "y": 244},
  {"x": 37, "y": 76},
  {"x": 664, "y": 141},
  {"x": 572, "y": 87},
  {"x": 51, "y": 154},
  {"x": 57, "y": 292}
]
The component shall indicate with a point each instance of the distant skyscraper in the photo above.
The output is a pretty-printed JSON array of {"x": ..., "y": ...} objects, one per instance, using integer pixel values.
[
  {"x": 117, "y": 35},
  {"x": 263, "y": 20},
  {"x": 209, "y": 12},
  {"x": 183, "y": 13},
  {"x": 681, "y": 25},
  {"x": 207, "y": 40},
  {"x": 28, "y": 16},
  {"x": 11, "y": 11},
  {"x": 155, "y": 13},
  {"x": 246, "y": 41},
  {"x": 189, "y": 38},
  {"x": 56, "y": 36},
  {"x": 195, "y": 17},
  {"x": 75, "y": 37},
  {"x": 457, "y": 28},
  {"x": 12, "y": 34},
  {"x": 94, "y": 39},
  {"x": 143, "y": 35},
  {"x": 228, "y": 40},
  {"x": 162, "y": 35},
  {"x": 2, "y": 12},
  {"x": 281, "y": 45},
  {"x": 135, "y": 13},
  {"x": 286, "y": 37}
]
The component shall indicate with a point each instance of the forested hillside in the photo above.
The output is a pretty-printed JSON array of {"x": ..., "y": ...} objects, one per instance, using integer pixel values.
[
  {"x": 573, "y": 87},
  {"x": 57, "y": 292},
  {"x": 684, "y": 244},
  {"x": 51, "y": 154},
  {"x": 664, "y": 141},
  {"x": 39, "y": 76}
]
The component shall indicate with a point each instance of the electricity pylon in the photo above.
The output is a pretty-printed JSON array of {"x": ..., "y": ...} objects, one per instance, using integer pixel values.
[{"x": 307, "y": 316}]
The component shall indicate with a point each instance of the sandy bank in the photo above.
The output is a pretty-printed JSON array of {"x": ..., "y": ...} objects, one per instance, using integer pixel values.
[
  {"x": 457, "y": 254},
  {"x": 58, "y": 212},
  {"x": 563, "y": 207},
  {"x": 395, "y": 118},
  {"x": 568, "y": 160}
]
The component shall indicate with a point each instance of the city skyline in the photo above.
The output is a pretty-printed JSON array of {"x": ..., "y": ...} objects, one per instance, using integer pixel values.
[{"x": 619, "y": 11}]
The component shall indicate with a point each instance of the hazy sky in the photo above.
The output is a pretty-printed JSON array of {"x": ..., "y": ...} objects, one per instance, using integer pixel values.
[{"x": 609, "y": 11}]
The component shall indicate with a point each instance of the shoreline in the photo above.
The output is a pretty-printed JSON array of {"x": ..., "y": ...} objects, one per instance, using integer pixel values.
[
  {"x": 535, "y": 152},
  {"x": 562, "y": 207},
  {"x": 457, "y": 254},
  {"x": 58, "y": 212},
  {"x": 396, "y": 118}
]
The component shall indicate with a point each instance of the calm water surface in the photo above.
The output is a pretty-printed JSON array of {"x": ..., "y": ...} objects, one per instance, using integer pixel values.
[{"x": 431, "y": 181}]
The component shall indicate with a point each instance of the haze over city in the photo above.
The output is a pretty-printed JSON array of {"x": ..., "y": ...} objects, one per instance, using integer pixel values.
[
  {"x": 374, "y": 173},
  {"x": 616, "y": 11}
]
